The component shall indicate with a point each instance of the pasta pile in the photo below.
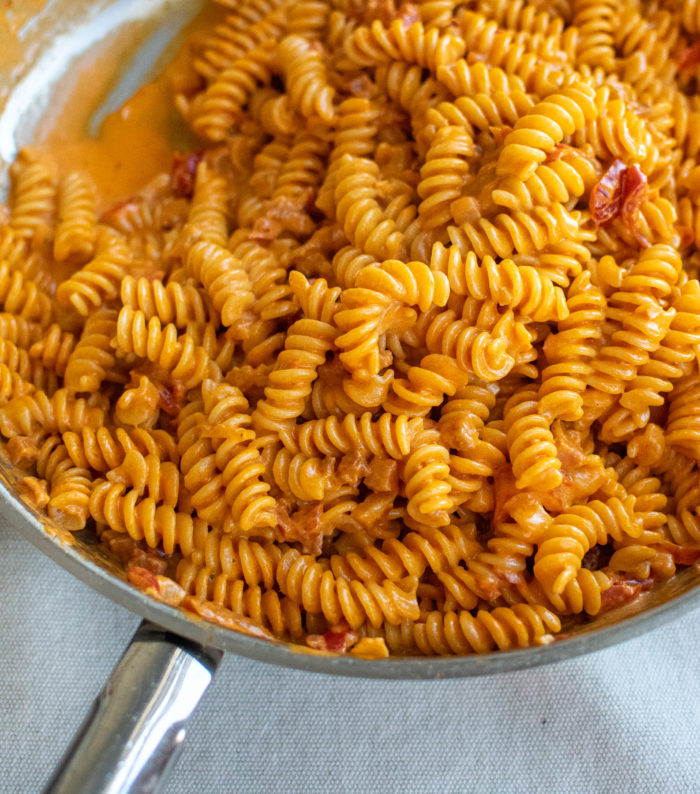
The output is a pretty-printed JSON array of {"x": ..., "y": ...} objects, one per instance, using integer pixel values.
[{"x": 406, "y": 358}]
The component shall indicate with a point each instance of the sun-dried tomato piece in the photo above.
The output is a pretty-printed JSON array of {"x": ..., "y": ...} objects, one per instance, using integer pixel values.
[
  {"x": 183, "y": 173},
  {"x": 303, "y": 526},
  {"x": 606, "y": 199},
  {"x": 143, "y": 578},
  {"x": 620, "y": 193},
  {"x": 352, "y": 468},
  {"x": 624, "y": 590},
  {"x": 332, "y": 641},
  {"x": 682, "y": 555},
  {"x": 171, "y": 396},
  {"x": 383, "y": 475},
  {"x": 689, "y": 57}
]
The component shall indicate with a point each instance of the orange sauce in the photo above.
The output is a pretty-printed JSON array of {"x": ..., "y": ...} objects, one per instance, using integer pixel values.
[{"x": 134, "y": 143}]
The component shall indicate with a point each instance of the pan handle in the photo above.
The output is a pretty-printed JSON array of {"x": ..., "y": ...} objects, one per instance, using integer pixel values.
[{"x": 136, "y": 727}]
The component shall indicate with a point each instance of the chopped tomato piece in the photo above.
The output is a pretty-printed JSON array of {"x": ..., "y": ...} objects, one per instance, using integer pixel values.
[
  {"x": 161, "y": 587},
  {"x": 620, "y": 193},
  {"x": 624, "y": 590},
  {"x": 690, "y": 56},
  {"x": 383, "y": 475},
  {"x": 171, "y": 396},
  {"x": 184, "y": 174},
  {"x": 352, "y": 468},
  {"x": 143, "y": 578},
  {"x": 302, "y": 526},
  {"x": 332, "y": 641},
  {"x": 606, "y": 197}
]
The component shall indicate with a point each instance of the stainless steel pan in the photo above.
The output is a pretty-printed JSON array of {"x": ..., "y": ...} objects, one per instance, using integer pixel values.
[{"x": 137, "y": 725}]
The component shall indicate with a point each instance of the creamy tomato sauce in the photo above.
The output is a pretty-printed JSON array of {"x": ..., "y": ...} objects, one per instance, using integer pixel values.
[{"x": 134, "y": 143}]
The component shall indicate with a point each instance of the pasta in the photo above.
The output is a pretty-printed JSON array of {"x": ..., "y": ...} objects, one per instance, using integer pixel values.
[{"x": 403, "y": 355}]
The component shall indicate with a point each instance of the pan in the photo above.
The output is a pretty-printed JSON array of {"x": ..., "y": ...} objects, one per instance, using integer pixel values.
[{"x": 133, "y": 733}]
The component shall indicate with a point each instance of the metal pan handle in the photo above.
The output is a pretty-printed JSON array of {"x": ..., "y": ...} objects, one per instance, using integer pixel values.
[{"x": 136, "y": 727}]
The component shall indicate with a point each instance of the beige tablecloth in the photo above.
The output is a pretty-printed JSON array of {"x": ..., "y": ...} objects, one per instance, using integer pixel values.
[{"x": 622, "y": 720}]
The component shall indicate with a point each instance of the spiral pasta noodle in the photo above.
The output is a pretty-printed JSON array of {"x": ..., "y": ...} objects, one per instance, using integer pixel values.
[
  {"x": 232, "y": 38},
  {"x": 34, "y": 194},
  {"x": 173, "y": 302},
  {"x": 53, "y": 349},
  {"x": 319, "y": 591},
  {"x": 162, "y": 346},
  {"x": 38, "y": 412},
  {"x": 531, "y": 446},
  {"x": 571, "y": 534},
  {"x": 104, "y": 449},
  {"x": 289, "y": 384},
  {"x": 537, "y": 133},
  {"x": 77, "y": 225},
  {"x": 308, "y": 89},
  {"x": 226, "y": 282},
  {"x": 224, "y": 99},
  {"x": 207, "y": 216},
  {"x": 378, "y": 44},
  {"x": 23, "y": 298},
  {"x": 503, "y": 628},
  {"x": 99, "y": 280},
  {"x": 392, "y": 436}
]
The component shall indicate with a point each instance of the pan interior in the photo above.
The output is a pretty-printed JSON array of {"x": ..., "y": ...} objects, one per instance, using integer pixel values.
[
  {"x": 46, "y": 52},
  {"x": 46, "y": 58}
]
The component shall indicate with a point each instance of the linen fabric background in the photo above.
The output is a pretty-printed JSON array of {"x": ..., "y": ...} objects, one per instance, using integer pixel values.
[{"x": 626, "y": 719}]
